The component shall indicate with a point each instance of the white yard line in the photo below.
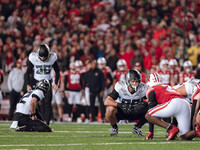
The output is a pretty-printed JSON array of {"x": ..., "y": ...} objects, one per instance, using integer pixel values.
[{"x": 78, "y": 144}]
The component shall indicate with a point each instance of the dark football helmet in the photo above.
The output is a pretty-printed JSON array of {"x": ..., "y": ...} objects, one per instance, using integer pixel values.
[
  {"x": 43, "y": 52},
  {"x": 43, "y": 85},
  {"x": 133, "y": 75}
]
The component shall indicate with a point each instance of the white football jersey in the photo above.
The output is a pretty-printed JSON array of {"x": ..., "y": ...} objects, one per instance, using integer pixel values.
[
  {"x": 42, "y": 69},
  {"x": 24, "y": 104},
  {"x": 122, "y": 88},
  {"x": 189, "y": 87}
]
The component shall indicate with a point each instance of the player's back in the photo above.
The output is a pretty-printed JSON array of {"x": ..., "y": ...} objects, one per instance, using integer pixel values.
[{"x": 164, "y": 93}]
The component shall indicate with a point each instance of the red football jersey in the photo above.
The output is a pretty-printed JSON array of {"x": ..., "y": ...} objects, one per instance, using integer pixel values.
[
  {"x": 186, "y": 76},
  {"x": 195, "y": 93},
  {"x": 175, "y": 73},
  {"x": 119, "y": 75},
  {"x": 166, "y": 76},
  {"x": 164, "y": 93},
  {"x": 73, "y": 78}
]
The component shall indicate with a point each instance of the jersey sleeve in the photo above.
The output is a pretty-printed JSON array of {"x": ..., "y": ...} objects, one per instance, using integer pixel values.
[
  {"x": 38, "y": 94},
  {"x": 32, "y": 57},
  {"x": 118, "y": 86},
  {"x": 53, "y": 57}
]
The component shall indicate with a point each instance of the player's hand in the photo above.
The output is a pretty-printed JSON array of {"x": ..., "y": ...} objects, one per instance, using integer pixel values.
[
  {"x": 34, "y": 117},
  {"x": 55, "y": 88},
  {"x": 29, "y": 88}
]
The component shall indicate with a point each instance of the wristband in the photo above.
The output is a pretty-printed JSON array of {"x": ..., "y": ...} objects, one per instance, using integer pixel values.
[{"x": 33, "y": 114}]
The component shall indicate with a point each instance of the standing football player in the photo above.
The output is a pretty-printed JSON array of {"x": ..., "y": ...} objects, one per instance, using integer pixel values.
[
  {"x": 42, "y": 62},
  {"x": 130, "y": 106}
]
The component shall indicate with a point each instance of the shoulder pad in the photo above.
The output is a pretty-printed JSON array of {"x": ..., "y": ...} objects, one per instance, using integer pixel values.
[
  {"x": 119, "y": 85},
  {"x": 32, "y": 57},
  {"x": 53, "y": 57}
]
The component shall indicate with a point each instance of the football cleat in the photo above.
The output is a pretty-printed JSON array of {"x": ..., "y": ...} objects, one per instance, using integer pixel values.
[
  {"x": 137, "y": 131},
  {"x": 172, "y": 133},
  {"x": 149, "y": 136},
  {"x": 114, "y": 132},
  {"x": 197, "y": 129}
]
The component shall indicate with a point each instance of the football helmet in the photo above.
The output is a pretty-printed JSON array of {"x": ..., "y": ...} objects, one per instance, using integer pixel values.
[
  {"x": 78, "y": 63},
  {"x": 72, "y": 65},
  {"x": 101, "y": 61},
  {"x": 133, "y": 75},
  {"x": 187, "y": 65},
  {"x": 154, "y": 79},
  {"x": 43, "y": 52},
  {"x": 164, "y": 64},
  {"x": 43, "y": 85},
  {"x": 173, "y": 62},
  {"x": 121, "y": 64}
]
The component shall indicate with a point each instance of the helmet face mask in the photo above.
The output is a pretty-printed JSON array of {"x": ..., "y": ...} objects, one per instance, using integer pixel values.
[
  {"x": 43, "y": 52},
  {"x": 133, "y": 79},
  {"x": 43, "y": 85}
]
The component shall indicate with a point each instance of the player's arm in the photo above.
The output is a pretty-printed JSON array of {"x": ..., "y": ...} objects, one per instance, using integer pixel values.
[
  {"x": 27, "y": 75},
  {"x": 110, "y": 100},
  {"x": 57, "y": 71},
  {"x": 56, "y": 68},
  {"x": 33, "y": 105},
  {"x": 151, "y": 99}
]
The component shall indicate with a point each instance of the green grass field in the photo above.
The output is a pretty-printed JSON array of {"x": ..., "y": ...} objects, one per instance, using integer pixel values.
[{"x": 89, "y": 136}]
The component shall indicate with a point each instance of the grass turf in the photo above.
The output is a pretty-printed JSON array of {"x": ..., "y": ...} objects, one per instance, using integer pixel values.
[{"x": 74, "y": 136}]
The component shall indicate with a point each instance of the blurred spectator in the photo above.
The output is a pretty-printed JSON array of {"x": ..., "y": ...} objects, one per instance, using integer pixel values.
[
  {"x": 15, "y": 85},
  {"x": 193, "y": 52}
]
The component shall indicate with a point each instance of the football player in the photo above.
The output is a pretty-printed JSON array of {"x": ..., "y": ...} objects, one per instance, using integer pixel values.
[
  {"x": 107, "y": 74},
  {"x": 165, "y": 102},
  {"x": 187, "y": 73},
  {"x": 72, "y": 84},
  {"x": 26, "y": 116},
  {"x": 42, "y": 62},
  {"x": 174, "y": 72},
  {"x": 121, "y": 71},
  {"x": 130, "y": 106},
  {"x": 164, "y": 71}
]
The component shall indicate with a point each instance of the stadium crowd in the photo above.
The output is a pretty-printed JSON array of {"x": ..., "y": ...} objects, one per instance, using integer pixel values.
[{"x": 148, "y": 35}]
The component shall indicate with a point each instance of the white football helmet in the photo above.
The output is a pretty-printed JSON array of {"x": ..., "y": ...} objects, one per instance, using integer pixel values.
[
  {"x": 78, "y": 64},
  {"x": 72, "y": 66},
  {"x": 187, "y": 65},
  {"x": 173, "y": 62},
  {"x": 121, "y": 64},
  {"x": 154, "y": 79},
  {"x": 101, "y": 61},
  {"x": 164, "y": 64}
]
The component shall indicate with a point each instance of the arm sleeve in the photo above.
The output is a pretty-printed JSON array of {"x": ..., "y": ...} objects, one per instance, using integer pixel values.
[
  {"x": 152, "y": 99},
  {"x": 114, "y": 94},
  {"x": 34, "y": 95},
  {"x": 28, "y": 72},
  {"x": 56, "y": 68}
]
